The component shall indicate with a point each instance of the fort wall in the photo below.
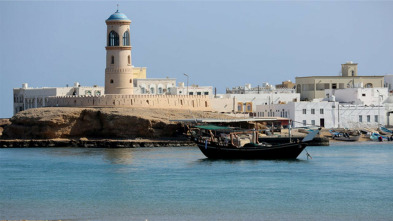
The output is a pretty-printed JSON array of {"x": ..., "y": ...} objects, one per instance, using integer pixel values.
[{"x": 191, "y": 102}]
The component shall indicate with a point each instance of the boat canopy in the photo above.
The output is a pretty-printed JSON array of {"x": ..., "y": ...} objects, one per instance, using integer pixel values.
[{"x": 213, "y": 127}]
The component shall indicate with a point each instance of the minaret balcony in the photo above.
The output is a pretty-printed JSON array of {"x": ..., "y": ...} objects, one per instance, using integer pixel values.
[{"x": 118, "y": 47}]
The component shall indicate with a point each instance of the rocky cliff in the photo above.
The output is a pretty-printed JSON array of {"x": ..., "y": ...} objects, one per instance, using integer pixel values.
[{"x": 49, "y": 123}]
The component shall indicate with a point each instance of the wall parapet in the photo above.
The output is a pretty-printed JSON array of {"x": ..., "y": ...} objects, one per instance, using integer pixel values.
[{"x": 194, "y": 102}]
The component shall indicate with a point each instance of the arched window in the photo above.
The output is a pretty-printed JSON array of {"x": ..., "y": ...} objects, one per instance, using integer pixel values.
[
  {"x": 126, "y": 38},
  {"x": 111, "y": 81},
  {"x": 129, "y": 59},
  {"x": 130, "y": 81},
  {"x": 113, "y": 60},
  {"x": 113, "y": 39},
  {"x": 369, "y": 85},
  {"x": 299, "y": 89}
]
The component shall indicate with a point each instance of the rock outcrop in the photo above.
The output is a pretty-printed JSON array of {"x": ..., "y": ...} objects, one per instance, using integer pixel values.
[
  {"x": 3, "y": 123},
  {"x": 55, "y": 122}
]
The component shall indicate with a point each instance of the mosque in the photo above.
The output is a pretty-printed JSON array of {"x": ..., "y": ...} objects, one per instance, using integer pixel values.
[{"x": 120, "y": 79}]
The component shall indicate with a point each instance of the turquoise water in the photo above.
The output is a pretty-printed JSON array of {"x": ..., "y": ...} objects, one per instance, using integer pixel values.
[{"x": 340, "y": 182}]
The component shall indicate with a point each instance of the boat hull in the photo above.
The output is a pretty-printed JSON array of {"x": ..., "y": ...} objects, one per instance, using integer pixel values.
[
  {"x": 350, "y": 138},
  {"x": 282, "y": 151}
]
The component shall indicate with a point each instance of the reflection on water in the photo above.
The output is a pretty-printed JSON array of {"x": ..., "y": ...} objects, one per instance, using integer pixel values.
[
  {"x": 118, "y": 156},
  {"x": 109, "y": 155},
  {"x": 209, "y": 161}
]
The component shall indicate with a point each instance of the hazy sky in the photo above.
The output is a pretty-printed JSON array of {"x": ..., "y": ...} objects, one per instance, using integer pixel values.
[{"x": 220, "y": 43}]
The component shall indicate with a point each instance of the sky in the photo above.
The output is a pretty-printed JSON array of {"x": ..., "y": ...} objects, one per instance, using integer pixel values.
[{"x": 217, "y": 43}]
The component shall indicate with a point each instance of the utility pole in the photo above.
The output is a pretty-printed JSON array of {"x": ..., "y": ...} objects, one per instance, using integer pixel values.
[{"x": 187, "y": 81}]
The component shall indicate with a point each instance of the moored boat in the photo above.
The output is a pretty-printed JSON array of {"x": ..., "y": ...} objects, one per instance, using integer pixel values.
[
  {"x": 343, "y": 136},
  {"x": 222, "y": 143}
]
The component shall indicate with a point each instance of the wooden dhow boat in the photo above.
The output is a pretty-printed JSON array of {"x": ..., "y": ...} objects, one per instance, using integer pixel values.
[{"x": 226, "y": 143}]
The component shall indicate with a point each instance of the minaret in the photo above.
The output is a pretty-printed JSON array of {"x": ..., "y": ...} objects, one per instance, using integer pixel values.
[{"x": 118, "y": 71}]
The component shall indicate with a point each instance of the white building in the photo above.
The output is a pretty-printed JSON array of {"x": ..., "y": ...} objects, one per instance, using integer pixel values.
[
  {"x": 27, "y": 97},
  {"x": 263, "y": 89},
  {"x": 361, "y": 116},
  {"x": 326, "y": 114},
  {"x": 192, "y": 90},
  {"x": 154, "y": 85},
  {"x": 388, "y": 79},
  {"x": 359, "y": 96},
  {"x": 302, "y": 114},
  {"x": 245, "y": 99}
]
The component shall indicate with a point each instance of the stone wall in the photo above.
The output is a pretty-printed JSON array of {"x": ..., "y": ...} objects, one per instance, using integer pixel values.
[{"x": 199, "y": 103}]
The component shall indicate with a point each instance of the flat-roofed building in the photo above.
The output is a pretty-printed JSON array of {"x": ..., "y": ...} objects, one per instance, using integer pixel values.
[
  {"x": 314, "y": 87},
  {"x": 326, "y": 114},
  {"x": 27, "y": 97},
  {"x": 154, "y": 86}
]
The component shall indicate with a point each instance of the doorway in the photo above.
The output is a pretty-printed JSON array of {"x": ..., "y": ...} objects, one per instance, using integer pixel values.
[{"x": 322, "y": 122}]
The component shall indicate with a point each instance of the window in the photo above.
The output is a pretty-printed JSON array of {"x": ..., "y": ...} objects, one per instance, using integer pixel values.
[
  {"x": 126, "y": 38},
  {"x": 360, "y": 118},
  {"x": 239, "y": 107},
  {"x": 341, "y": 85},
  {"x": 368, "y": 118},
  {"x": 206, "y": 93},
  {"x": 130, "y": 81},
  {"x": 152, "y": 90},
  {"x": 143, "y": 90},
  {"x": 191, "y": 93},
  {"x": 334, "y": 86},
  {"x": 304, "y": 122},
  {"x": 160, "y": 90},
  {"x": 113, "y": 39},
  {"x": 113, "y": 60},
  {"x": 353, "y": 73},
  {"x": 304, "y": 111},
  {"x": 111, "y": 81},
  {"x": 313, "y": 122},
  {"x": 376, "y": 118},
  {"x": 129, "y": 59},
  {"x": 312, "y": 111},
  {"x": 199, "y": 93},
  {"x": 321, "y": 111}
]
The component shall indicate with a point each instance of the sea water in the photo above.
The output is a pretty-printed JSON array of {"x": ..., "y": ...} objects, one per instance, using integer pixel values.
[{"x": 341, "y": 182}]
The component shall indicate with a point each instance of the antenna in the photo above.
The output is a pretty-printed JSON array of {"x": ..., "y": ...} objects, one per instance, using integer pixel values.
[{"x": 117, "y": 7}]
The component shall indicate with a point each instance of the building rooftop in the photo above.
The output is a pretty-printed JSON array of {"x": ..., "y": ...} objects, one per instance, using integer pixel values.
[{"x": 332, "y": 76}]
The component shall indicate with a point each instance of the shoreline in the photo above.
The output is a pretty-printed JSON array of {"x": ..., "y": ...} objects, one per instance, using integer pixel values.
[{"x": 92, "y": 143}]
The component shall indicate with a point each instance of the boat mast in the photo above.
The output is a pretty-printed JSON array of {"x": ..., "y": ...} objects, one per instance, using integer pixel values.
[{"x": 289, "y": 131}]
